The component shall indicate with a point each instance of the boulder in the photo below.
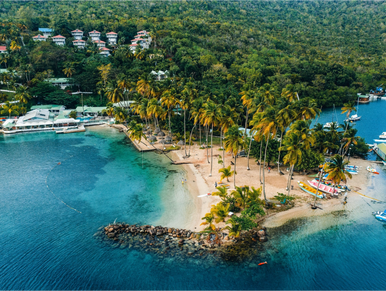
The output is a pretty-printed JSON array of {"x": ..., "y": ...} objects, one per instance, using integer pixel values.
[
  {"x": 181, "y": 241},
  {"x": 261, "y": 233},
  {"x": 111, "y": 234},
  {"x": 263, "y": 239}
]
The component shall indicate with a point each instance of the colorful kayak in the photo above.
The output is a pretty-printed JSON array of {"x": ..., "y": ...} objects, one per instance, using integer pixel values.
[
  {"x": 381, "y": 216},
  {"x": 309, "y": 190},
  {"x": 342, "y": 187},
  {"x": 372, "y": 170},
  {"x": 324, "y": 188}
]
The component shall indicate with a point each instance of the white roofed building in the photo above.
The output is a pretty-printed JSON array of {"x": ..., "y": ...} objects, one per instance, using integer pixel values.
[
  {"x": 77, "y": 34},
  {"x": 100, "y": 43},
  {"x": 104, "y": 51},
  {"x": 59, "y": 40},
  {"x": 95, "y": 35},
  {"x": 39, "y": 37},
  {"x": 112, "y": 37},
  {"x": 160, "y": 75},
  {"x": 79, "y": 43}
]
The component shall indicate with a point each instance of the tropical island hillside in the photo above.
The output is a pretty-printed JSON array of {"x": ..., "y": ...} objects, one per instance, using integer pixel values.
[{"x": 323, "y": 50}]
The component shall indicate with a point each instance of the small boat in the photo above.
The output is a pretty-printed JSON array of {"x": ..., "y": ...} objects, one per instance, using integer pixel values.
[
  {"x": 381, "y": 216},
  {"x": 327, "y": 125},
  {"x": 384, "y": 163},
  {"x": 71, "y": 129},
  {"x": 309, "y": 190},
  {"x": 205, "y": 195},
  {"x": 351, "y": 167},
  {"x": 324, "y": 188},
  {"x": 353, "y": 118},
  {"x": 372, "y": 170},
  {"x": 352, "y": 171},
  {"x": 383, "y": 135},
  {"x": 342, "y": 187},
  {"x": 263, "y": 263}
]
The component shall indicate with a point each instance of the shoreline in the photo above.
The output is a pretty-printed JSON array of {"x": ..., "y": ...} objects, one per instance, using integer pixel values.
[{"x": 197, "y": 169}]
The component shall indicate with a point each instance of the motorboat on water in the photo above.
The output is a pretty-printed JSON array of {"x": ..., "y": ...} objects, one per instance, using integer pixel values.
[
  {"x": 324, "y": 188},
  {"x": 372, "y": 170},
  {"x": 309, "y": 190},
  {"x": 353, "y": 118},
  {"x": 381, "y": 216},
  {"x": 383, "y": 136}
]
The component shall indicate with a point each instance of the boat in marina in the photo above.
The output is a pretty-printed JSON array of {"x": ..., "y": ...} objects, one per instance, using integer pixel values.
[
  {"x": 324, "y": 188},
  {"x": 354, "y": 117},
  {"x": 372, "y": 170},
  {"x": 71, "y": 129},
  {"x": 381, "y": 216},
  {"x": 309, "y": 190},
  {"x": 329, "y": 124}
]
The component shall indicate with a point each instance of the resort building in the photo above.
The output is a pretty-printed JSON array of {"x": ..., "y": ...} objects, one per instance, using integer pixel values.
[
  {"x": 95, "y": 35},
  {"x": 89, "y": 111},
  {"x": 112, "y": 37},
  {"x": 100, "y": 43},
  {"x": 59, "y": 40},
  {"x": 142, "y": 38},
  {"x": 79, "y": 43},
  {"x": 77, "y": 34},
  {"x": 47, "y": 32},
  {"x": 60, "y": 82},
  {"x": 104, "y": 51},
  {"x": 36, "y": 120},
  {"x": 160, "y": 75},
  {"x": 3, "y": 49},
  {"x": 143, "y": 33},
  {"x": 133, "y": 47},
  {"x": 39, "y": 37},
  {"x": 52, "y": 109}
]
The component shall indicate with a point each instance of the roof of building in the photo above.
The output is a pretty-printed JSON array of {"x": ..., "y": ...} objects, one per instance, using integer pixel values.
[
  {"x": 49, "y": 106},
  {"x": 78, "y": 40},
  {"x": 104, "y": 49},
  {"x": 136, "y": 39},
  {"x": 45, "y": 30},
  {"x": 90, "y": 109},
  {"x": 142, "y": 31},
  {"x": 363, "y": 96},
  {"x": 112, "y": 33},
  {"x": 58, "y": 80},
  {"x": 58, "y": 36},
  {"x": 94, "y": 31},
  {"x": 99, "y": 41},
  {"x": 39, "y": 36},
  {"x": 3, "y": 48},
  {"x": 77, "y": 30},
  {"x": 134, "y": 44}
]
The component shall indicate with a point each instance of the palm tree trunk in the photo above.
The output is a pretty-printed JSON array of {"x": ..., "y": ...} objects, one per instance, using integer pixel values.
[
  {"x": 185, "y": 130},
  {"x": 249, "y": 150},
  {"x": 211, "y": 152},
  {"x": 278, "y": 159},
  {"x": 290, "y": 178},
  {"x": 223, "y": 155},
  {"x": 170, "y": 126},
  {"x": 234, "y": 174},
  {"x": 206, "y": 142},
  {"x": 265, "y": 157},
  {"x": 199, "y": 127},
  {"x": 317, "y": 189},
  {"x": 261, "y": 146},
  {"x": 246, "y": 122},
  {"x": 190, "y": 137}
]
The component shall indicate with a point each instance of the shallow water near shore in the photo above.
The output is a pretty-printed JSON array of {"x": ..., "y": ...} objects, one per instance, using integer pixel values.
[{"x": 49, "y": 245}]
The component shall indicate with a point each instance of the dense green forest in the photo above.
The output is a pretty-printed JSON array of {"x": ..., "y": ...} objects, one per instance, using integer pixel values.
[{"x": 326, "y": 50}]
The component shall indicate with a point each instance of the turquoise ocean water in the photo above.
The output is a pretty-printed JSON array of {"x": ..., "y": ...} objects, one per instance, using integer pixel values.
[{"x": 46, "y": 244}]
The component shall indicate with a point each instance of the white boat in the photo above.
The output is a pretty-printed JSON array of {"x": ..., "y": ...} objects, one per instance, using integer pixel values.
[
  {"x": 381, "y": 216},
  {"x": 329, "y": 124},
  {"x": 372, "y": 170},
  {"x": 354, "y": 117},
  {"x": 383, "y": 135},
  {"x": 71, "y": 129},
  {"x": 324, "y": 188}
]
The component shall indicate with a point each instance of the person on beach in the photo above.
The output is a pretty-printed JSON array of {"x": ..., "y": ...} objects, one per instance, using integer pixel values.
[
  {"x": 269, "y": 169},
  {"x": 215, "y": 184}
]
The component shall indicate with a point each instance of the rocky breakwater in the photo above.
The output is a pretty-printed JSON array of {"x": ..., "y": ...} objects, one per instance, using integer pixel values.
[{"x": 172, "y": 242}]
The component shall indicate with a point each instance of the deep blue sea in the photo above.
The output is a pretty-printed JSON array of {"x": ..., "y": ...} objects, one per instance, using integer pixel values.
[{"x": 50, "y": 212}]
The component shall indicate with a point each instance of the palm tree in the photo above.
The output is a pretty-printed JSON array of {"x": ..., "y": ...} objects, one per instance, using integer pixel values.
[
  {"x": 154, "y": 109},
  {"x": 247, "y": 98},
  {"x": 136, "y": 131},
  {"x": 104, "y": 70},
  {"x": 22, "y": 94},
  {"x": 306, "y": 109},
  {"x": 348, "y": 139},
  {"x": 69, "y": 69},
  {"x": 241, "y": 195},
  {"x": 210, "y": 116},
  {"x": 220, "y": 211},
  {"x": 222, "y": 192},
  {"x": 209, "y": 217},
  {"x": 114, "y": 93},
  {"x": 336, "y": 170},
  {"x": 226, "y": 120},
  {"x": 232, "y": 143},
  {"x": 188, "y": 94},
  {"x": 9, "y": 109},
  {"x": 235, "y": 228},
  {"x": 225, "y": 173},
  {"x": 120, "y": 114},
  {"x": 170, "y": 101},
  {"x": 266, "y": 123},
  {"x": 292, "y": 144},
  {"x": 348, "y": 108}
]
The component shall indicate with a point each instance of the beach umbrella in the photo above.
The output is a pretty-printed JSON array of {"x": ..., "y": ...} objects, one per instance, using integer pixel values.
[
  {"x": 181, "y": 142},
  {"x": 152, "y": 138},
  {"x": 161, "y": 133},
  {"x": 168, "y": 139},
  {"x": 157, "y": 130}
]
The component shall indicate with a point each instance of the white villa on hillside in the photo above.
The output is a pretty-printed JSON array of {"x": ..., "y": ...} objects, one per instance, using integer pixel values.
[
  {"x": 95, "y": 35},
  {"x": 77, "y": 34},
  {"x": 3, "y": 49},
  {"x": 100, "y": 43},
  {"x": 104, "y": 51},
  {"x": 61, "y": 82},
  {"x": 112, "y": 37},
  {"x": 59, "y": 40},
  {"x": 160, "y": 75},
  {"x": 80, "y": 43},
  {"x": 46, "y": 31},
  {"x": 142, "y": 38},
  {"x": 39, "y": 37}
]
